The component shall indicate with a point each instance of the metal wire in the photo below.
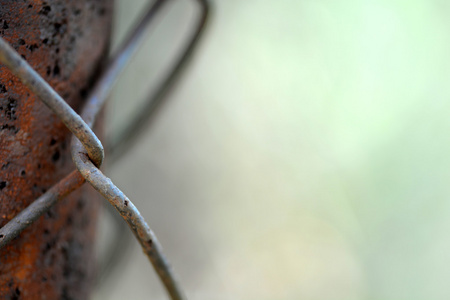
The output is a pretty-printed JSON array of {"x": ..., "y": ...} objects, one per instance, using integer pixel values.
[
  {"x": 19, "y": 67},
  {"x": 117, "y": 64},
  {"x": 87, "y": 150},
  {"x": 129, "y": 212},
  {"x": 126, "y": 138},
  {"x": 40, "y": 206}
]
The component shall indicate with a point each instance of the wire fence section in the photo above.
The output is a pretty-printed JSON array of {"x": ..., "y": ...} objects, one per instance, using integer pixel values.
[{"x": 87, "y": 150}]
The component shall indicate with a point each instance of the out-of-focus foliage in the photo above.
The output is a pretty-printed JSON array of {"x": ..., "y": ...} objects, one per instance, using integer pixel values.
[{"x": 304, "y": 155}]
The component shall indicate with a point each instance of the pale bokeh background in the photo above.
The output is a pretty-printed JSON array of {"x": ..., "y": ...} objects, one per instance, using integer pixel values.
[{"x": 303, "y": 155}]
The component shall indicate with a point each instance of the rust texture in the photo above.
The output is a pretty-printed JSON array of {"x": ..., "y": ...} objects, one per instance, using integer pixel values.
[{"x": 65, "y": 42}]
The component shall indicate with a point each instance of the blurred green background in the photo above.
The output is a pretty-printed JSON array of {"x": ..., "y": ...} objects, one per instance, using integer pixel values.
[{"x": 303, "y": 155}]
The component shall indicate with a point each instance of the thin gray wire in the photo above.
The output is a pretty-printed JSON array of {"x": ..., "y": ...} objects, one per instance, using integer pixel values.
[
  {"x": 19, "y": 67},
  {"x": 127, "y": 137}
]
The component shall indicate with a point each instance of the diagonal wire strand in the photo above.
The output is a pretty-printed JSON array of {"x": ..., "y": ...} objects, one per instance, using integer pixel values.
[
  {"x": 40, "y": 206},
  {"x": 117, "y": 64},
  {"x": 147, "y": 239},
  {"x": 126, "y": 138},
  {"x": 19, "y": 67},
  {"x": 105, "y": 186}
]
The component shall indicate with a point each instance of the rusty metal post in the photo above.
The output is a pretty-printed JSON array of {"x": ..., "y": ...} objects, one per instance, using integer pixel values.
[{"x": 66, "y": 43}]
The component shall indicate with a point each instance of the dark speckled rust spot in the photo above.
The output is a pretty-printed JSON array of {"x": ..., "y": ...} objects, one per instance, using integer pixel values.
[
  {"x": 45, "y": 10},
  {"x": 56, "y": 69},
  {"x": 56, "y": 156}
]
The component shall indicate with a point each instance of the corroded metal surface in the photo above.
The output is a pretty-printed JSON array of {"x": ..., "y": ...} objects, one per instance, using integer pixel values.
[{"x": 65, "y": 43}]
